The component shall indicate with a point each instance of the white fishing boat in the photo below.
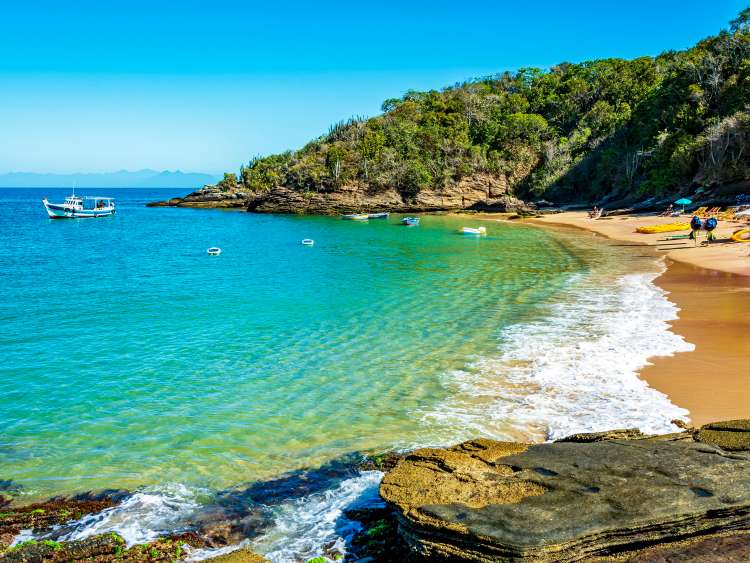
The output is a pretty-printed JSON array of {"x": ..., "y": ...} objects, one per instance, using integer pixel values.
[
  {"x": 214, "y": 251},
  {"x": 380, "y": 215},
  {"x": 473, "y": 231},
  {"x": 77, "y": 207},
  {"x": 308, "y": 241},
  {"x": 356, "y": 216}
]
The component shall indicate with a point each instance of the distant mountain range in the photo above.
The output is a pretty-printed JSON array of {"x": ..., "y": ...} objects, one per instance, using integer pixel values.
[{"x": 146, "y": 178}]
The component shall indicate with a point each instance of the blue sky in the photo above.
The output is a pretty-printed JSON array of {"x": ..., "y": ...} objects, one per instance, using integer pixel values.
[{"x": 204, "y": 85}]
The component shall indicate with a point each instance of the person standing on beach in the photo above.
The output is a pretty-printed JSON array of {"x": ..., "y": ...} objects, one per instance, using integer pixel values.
[{"x": 695, "y": 226}]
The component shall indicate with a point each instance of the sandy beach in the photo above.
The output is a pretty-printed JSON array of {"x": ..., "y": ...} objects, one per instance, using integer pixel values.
[
  {"x": 723, "y": 255},
  {"x": 711, "y": 286}
]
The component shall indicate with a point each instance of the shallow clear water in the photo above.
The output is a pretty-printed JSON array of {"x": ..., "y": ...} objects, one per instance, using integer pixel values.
[{"x": 132, "y": 358}]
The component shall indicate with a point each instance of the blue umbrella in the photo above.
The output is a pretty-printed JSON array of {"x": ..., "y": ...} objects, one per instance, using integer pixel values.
[{"x": 683, "y": 201}]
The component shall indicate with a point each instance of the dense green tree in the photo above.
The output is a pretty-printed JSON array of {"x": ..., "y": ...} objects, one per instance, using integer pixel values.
[{"x": 575, "y": 131}]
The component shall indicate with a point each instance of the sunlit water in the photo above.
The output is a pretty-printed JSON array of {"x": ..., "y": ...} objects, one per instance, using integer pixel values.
[{"x": 133, "y": 359}]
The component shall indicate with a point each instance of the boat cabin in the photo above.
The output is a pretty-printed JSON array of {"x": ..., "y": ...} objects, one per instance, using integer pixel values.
[{"x": 98, "y": 202}]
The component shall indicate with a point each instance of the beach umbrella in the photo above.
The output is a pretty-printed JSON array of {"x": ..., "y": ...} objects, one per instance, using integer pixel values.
[{"x": 683, "y": 201}]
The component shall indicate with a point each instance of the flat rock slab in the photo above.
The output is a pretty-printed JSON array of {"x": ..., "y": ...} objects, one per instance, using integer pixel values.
[
  {"x": 732, "y": 435},
  {"x": 565, "y": 501}
]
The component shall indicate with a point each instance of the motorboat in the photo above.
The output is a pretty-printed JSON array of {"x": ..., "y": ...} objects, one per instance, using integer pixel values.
[
  {"x": 77, "y": 207},
  {"x": 480, "y": 231},
  {"x": 383, "y": 215},
  {"x": 410, "y": 221},
  {"x": 356, "y": 216},
  {"x": 308, "y": 241},
  {"x": 214, "y": 251}
]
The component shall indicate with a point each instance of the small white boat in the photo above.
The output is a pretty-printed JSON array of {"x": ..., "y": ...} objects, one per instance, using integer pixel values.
[
  {"x": 308, "y": 241},
  {"x": 410, "y": 221},
  {"x": 214, "y": 251},
  {"x": 384, "y": 215},
  {"x": 356, "y": 216},
  {"x": 474, "y": 231},
  {"x": 77, "y": 207}
]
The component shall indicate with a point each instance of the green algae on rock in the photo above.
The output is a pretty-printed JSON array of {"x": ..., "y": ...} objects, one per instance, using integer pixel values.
[{"x": 731, "y": 435}]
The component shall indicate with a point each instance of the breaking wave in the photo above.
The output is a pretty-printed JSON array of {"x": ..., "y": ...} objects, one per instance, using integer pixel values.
[{"x": 574, "y": 369}]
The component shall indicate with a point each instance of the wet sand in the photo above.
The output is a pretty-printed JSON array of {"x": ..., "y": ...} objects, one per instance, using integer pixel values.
[{"x": 713, "y": 381}]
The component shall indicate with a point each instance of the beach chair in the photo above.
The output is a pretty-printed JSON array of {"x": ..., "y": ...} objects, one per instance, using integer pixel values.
[
  {"x": 727, "y": 215},
  {"x": 700, "y": 211},
  {"x": 712, "y": 212}
]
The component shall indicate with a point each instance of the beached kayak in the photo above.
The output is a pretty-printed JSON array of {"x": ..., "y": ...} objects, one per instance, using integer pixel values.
[{"x": 668, "y": 227}]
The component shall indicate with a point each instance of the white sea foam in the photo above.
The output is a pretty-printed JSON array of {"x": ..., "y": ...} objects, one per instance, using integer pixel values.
[
  {"x": 142, "y": 517},
  {"x": 575, "y": 369},
  {"x": 304, "y": 527}
]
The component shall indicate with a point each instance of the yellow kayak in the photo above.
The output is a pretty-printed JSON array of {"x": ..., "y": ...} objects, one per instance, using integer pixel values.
[
  {"x": 743, "y": 235},
  {"x": 669, "y": 227}
]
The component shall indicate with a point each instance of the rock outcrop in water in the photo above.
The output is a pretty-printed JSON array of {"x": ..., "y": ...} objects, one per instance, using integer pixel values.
[
  {"x": 209, "y": 196},
  {"x": 591, "y": 495},
  {"x": 482, "y": 192}
]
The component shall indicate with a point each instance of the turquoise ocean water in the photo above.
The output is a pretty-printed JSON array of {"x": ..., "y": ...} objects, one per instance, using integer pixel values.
[{"x": 133, "y": 359}]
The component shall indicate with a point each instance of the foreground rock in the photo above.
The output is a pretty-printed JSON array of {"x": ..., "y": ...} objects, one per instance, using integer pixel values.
[
  {"x": 240, "y": 556},
  {"x": 482, "y": 192},
  {"x": 110, "y": 548},
  {"x": 596, "y": 495},
  {"x": 54, "y": 512},
  {"x": 48, "y": 520}
]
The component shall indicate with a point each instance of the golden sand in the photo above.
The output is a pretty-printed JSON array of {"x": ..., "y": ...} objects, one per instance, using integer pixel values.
[{"x": 712, "y": 382}]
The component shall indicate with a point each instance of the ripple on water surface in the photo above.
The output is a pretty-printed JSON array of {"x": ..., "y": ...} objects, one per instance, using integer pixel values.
[{"x": 134, "y": 360}]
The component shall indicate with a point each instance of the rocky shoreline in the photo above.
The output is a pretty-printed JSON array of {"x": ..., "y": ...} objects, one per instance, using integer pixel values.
[
  {"x": 619, "y": 494},
  {"x": 480, "y": 192}
]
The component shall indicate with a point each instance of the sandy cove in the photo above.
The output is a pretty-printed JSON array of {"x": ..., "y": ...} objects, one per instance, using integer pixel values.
[
  {"x": 711, "y": 286},
  {"x": 724, "y": 255}
]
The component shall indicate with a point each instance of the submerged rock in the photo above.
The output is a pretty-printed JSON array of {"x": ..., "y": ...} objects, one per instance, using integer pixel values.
[{"x": 564, "y": 501}]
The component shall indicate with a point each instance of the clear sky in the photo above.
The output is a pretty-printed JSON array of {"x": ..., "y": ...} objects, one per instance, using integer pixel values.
[{"x": 204, "y": 85}]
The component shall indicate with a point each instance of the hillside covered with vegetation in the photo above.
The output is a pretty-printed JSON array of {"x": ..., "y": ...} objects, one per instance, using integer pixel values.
[{"x": 575, "y": 132}]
